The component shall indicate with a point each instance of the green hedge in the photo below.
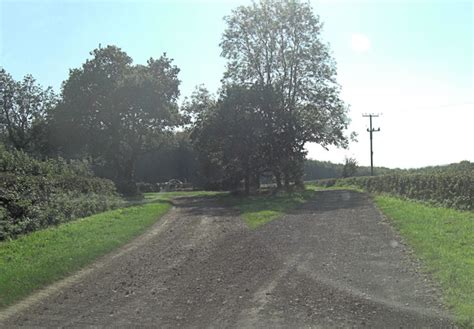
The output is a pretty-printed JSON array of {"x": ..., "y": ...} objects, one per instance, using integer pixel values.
[
  {"x": 144, "y": 187},
  {"x": 35, "y": 194},
  {"x": 454, "y": 190}
]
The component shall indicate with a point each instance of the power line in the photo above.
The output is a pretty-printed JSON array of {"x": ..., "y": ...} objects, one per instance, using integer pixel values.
[{"x": 371, "y": 131}]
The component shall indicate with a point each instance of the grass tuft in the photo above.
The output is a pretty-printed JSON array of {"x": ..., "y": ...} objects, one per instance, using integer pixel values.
[
  {"x": 166, "y": 196},
  {"x": 261, "y": 209}
]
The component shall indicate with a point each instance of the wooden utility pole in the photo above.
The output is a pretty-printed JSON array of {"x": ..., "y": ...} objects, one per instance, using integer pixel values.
[{"x": 371, "y": 130}]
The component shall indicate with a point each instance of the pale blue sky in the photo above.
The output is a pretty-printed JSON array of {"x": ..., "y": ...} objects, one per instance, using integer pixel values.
[{"x": 411, "y": 60}]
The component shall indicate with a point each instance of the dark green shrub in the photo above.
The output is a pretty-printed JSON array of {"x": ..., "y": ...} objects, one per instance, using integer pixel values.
[
  {"x": 36, "y": 194},
  {"x": 128, "y": 189},
  {"x": 329, "y": 182},
  {"x": 148, "y": 187},
  {"x": 455, "y": 190}
]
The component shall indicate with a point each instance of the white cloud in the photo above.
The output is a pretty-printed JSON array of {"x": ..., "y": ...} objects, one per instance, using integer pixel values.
[{"x": 360, "y": 43}]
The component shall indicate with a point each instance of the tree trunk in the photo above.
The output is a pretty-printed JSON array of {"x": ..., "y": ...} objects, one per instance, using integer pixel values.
[
  {"x": 299, "y": 182},
  {"x": 247, "y": 183},
  {"x": 128, "y": 173},
  {"x": 278, "y": 179},
  {"x": 257, "y": 180},
  {"x": 286, "y": 177}
]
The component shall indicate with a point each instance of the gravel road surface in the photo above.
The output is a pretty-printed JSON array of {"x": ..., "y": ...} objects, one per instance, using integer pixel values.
[{"x": 333, "y": 263}]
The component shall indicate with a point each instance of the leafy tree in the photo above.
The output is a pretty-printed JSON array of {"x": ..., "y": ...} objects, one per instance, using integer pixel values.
[
  {"x": 199, "y": 113},
  {"x": 226, "y": 135},
  {"x": 276, "y": 46},
  {"x": 114, "y": 111},
  {"x": 350, "y": 167},
  {"x": 197, "y": 107},
  {"x": 24, "y": 110},
  {"x": 176, "y": 160}
]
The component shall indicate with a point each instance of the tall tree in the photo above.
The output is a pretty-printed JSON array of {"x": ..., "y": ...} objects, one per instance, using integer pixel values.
[
  {"x": 350, "y": 167},
  {"x": 226, "y": 135},
  {"x": 114, "y": 111},
  {"x": 24, "y": 110},
  {"x": 176, "y": 160},
  {"x": 276, "y": 45}
]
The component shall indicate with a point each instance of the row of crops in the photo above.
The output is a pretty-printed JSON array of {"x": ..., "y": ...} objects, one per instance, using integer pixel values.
[{"x": 454, "y": 190}]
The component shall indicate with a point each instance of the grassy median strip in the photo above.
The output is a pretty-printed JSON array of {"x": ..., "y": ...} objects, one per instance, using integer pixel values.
[
  {"x": 444, "y": 240},
  {"x": 42, "y": 257},
  {"x": 261, "y": 209},
  {"x": 166, "y": 196}
]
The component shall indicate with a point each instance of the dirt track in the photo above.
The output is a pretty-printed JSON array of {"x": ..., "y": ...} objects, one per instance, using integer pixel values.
[{"x": 334, "y": 263}]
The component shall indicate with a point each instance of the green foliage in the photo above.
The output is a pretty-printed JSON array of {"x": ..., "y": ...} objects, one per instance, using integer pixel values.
[
  {"x": 317, "y": 170},
  {"x": 275, "y": 48},
  {"x": 175, "y": 160},
  {"x": 38, "y": 259},
  {"x": 261, "y": 209},
  {"x": 35, "y": 194},
  {"x": 228, "y": 137},
  {"x": 314, "y": 169},
  {"x": 350, "y": 167},
  {"x": 443, "y": 239},
  {"x": 460, "y": 167},
  {"x": 454, "y": 190},
  {"x": 24, "y": 110},
  {"x": 115, "y": 112},
  {"x": 148, "y": 187},
  {"x": 168, "y": 196}
]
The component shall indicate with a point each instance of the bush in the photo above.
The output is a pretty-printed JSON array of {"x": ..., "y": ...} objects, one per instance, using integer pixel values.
[
  {"x": 36, "y": 194},
  {"x": 329, "y": 182},
  {"x": 128, "y": 189},
  {"x": 455, "y": 190},
  {"x": 148, "y": 187}
]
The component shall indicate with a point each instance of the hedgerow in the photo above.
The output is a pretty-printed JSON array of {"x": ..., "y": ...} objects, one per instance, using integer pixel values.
[
  {"x": 454, "y": 190},
  {"x": 36, "y": 194}
]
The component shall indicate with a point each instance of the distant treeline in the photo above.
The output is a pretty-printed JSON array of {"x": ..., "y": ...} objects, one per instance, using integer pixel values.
[
  {"x": 315, "y": 170},
  {"x": 460, "y": 167}
]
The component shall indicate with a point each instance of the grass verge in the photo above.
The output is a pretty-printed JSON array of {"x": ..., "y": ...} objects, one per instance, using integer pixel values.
[
  {"x": 315, "y": 187},
  {"x": 444, "y": 240},
  {"x": 166, "y": 196},
  {"x": 255, "y": 210},
  {"x": 261, "y": 209},
  {"x": 42, "y": 257}
]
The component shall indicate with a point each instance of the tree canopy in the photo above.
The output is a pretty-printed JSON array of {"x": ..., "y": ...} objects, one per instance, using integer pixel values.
[
  {"x": 278, "y": 93},
  {"x": 116, "y": 111},
  {"x": 274, "y": 52},
  {"x": 25, "y": 107},
  {"x": 226, "y": 134}
]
